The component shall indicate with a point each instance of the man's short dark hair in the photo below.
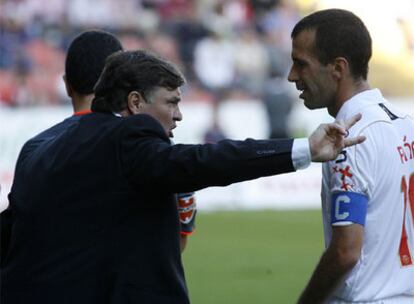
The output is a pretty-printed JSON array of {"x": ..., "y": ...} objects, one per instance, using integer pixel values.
[
  {"x": 86, "y": 57},
  {"x": 339, "y": 33},
  {"x": 127, "y": 71}
]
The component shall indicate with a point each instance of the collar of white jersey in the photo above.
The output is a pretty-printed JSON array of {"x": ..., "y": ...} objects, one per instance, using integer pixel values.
[{"x": 355, "y": 103}]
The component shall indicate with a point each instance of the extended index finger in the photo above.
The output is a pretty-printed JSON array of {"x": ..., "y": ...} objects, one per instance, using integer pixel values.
[
  {"x": 354, "y": 141},
  {"x": 350, "y": 122}
]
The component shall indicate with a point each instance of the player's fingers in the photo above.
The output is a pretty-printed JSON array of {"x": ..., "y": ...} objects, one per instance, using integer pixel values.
[
  {"x": 336, "y": 127},
  {"x": 347, "y": 124},
  {"x": 354, "y": 141}
]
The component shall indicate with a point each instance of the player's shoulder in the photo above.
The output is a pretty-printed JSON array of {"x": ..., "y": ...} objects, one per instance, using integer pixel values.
[
  {"x": 49, "y": 133},
  {"x": 364, "y": 103},
  {"x": 55, "y": 129},
  {"x": 379, "y": 114}
]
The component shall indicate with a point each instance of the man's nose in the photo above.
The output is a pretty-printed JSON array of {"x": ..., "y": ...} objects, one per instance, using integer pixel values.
[
  {"x": 178, "y": 116},
  {"x": 292, "y": 77}
]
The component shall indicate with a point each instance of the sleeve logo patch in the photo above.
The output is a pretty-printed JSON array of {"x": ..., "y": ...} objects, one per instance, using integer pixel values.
[{"x": 186, "y": 208}]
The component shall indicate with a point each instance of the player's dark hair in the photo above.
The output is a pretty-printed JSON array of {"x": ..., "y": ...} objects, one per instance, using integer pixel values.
[
  {"x": 85, "y": 59},
  {"x": 128, "y": 71},
  {"x": 339, "y": 33}
]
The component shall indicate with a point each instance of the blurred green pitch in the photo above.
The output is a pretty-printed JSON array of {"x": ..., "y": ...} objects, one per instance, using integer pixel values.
[{"x": 252, "y": 257}]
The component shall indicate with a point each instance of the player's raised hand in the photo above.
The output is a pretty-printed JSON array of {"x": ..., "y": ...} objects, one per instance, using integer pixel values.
[{"x": 328, "y": 140}]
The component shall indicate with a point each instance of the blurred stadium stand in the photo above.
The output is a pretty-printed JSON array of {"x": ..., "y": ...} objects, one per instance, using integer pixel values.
[
  {"x": 230, "y": 45},
  {"x": 234, "y": 53}
]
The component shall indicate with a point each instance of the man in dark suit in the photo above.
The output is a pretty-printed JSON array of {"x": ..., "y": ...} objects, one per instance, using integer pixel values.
[
  {"x": 96, "y": 219},
  {"x": 85, "y": 61}
]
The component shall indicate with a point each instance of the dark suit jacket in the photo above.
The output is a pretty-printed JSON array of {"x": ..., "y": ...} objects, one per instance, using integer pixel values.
[
  {"x": 28, "y": 148},
  {"x": 93, "y": 212}
]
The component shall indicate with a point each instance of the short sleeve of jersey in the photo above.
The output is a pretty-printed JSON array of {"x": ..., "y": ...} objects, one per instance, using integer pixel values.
[{"x": 349, "y": 178}]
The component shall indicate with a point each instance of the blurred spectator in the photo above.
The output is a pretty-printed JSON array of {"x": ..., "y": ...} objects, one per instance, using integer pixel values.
[
  {"x": 12, "y": 37},
  {"x": 239, "y": 12},
  {"x": 279, "y": 22},
  {"x": 20, "y": 91},
  {"x": 214, "y": 63},
  {"x": 260, "y": 7},
  {"x": 279, "y": 103},
  {"x": 165, "y": 46},
  {"x": 104, "y": 12},
  {"x": 132, "y": 39},
  {"x": 171, "y": 10},
  {"x": 279, "y": 57},
  {"x": 26, "y": 11},
  {"x": 215, "y": 21},
  {"x": 251, "y": 61},
  {"x": 214, "y": 134},
  {"x": 187, "y": 30}
]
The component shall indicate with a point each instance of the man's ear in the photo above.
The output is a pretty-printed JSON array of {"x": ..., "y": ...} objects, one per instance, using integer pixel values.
[
  {"x": 69, "y": 90},
  {"x": 340, "y": 68},
  {"x": 135, "y": 102}
]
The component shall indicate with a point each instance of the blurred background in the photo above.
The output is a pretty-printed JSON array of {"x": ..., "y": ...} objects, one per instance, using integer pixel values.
[{"x": 236, "y": 56}]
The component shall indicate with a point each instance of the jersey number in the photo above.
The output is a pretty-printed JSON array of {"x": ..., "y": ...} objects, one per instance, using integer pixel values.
[{"x": 408, "y": 190}]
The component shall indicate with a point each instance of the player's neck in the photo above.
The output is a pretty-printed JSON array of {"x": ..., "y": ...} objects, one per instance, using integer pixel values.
[
  {"x": 346, "y": 91},
  {"x": 82, "y": 102}
]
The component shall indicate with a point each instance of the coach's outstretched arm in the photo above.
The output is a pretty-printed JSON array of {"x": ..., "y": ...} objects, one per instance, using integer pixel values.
[
  {"x": 148, "y": 158},
  {"x": 328, "y": 140}
]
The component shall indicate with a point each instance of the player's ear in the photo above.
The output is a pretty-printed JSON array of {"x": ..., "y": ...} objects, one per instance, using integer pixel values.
[
  {"x": 69, "y": 90},
  {"x": 135, "y": 102},
  {"x": 340, "y": 68}
]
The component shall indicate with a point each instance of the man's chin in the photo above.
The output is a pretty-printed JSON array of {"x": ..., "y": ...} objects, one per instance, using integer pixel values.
[
  {"x": 309, "y": 104},
  {"x": 312, "y": 106}
]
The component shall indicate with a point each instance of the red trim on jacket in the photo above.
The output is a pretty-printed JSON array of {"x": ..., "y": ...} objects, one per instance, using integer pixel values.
[{"x": 84, "y": 112}]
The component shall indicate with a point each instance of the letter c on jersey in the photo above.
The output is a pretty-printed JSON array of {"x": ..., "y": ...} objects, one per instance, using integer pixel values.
[{"x": 341, "y": 199}]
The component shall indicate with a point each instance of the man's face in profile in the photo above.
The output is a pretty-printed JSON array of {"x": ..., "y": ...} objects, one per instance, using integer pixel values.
[
  {"x": 312, "y": 78},
  {"x": 163, "y": 105}
]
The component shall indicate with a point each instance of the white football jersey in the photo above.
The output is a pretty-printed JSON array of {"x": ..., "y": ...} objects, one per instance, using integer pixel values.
[{"x": 377, "y": 174}]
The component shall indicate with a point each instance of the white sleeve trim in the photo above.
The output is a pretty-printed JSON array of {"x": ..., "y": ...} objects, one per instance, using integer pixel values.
[
  {"x": 301, "y": 156},
  {"x": 346, "y": 223}
]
